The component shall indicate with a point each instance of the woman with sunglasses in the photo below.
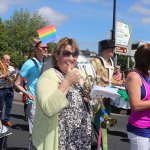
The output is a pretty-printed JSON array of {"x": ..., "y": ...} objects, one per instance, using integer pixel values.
[{"x": 61, "y": 120}]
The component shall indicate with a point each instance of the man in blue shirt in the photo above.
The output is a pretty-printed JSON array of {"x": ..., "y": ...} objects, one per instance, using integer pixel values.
[{"x": 31, "y": 71}]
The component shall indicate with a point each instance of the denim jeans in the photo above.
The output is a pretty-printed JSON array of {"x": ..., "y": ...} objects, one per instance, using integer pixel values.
[{"x": 6, "y": 96}]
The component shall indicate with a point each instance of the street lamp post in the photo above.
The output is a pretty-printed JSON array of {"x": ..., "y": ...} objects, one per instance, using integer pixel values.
[
  {"x": 114, "y": 21},
  {"x": 114, "y": 28}
]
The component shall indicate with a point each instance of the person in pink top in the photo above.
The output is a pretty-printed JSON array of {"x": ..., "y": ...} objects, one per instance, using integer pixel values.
[{"x": 138, "y": 88}]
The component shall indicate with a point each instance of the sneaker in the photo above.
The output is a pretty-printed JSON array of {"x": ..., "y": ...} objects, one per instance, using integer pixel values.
[{"x": 8, "y": 123}]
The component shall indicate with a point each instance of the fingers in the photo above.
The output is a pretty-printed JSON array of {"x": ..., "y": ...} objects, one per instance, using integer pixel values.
[
  {"x": 86, "y": 99},
  {"x": 73, "y": 75},
  {"x": 69, "y": 65},
  {"x": 30, "y": 96}
]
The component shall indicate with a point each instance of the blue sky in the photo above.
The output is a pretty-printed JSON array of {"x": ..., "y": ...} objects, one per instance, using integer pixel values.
[{"x": 87, "y": 21}]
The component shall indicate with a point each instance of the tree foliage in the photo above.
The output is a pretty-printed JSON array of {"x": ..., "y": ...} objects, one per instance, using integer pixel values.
[
  {"x": 21, "y": 29},
  {"x": 18, "y": 32},
  {"x": 3, "y": 37},
  {"x": 122, "y": 61}
]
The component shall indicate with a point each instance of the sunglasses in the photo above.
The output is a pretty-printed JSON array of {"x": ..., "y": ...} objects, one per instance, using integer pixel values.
[
  {"x": 68, "y": 53},
  {"x": 7, "y": 59},
  {"x": 43, "y": 47}
]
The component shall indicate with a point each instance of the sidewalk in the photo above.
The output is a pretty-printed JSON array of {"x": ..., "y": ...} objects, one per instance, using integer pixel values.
[{"x": 18, "y": 96}]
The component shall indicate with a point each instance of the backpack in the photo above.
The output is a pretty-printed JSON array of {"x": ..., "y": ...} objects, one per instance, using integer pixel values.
[{"x": 47, "y": 65}]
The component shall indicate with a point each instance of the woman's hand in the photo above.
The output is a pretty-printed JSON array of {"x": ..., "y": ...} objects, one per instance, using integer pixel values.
[
  {"x": 86, "y": 99},
  {"x": 73, "y": 75}
]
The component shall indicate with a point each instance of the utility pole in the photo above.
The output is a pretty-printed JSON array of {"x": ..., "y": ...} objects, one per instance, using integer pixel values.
[
  {"x": 114, "y": 21},
  {"x": 113, "y": 31}
]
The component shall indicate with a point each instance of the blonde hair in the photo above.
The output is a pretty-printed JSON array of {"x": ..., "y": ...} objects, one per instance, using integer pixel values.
[{"x": 61, "y": 46}]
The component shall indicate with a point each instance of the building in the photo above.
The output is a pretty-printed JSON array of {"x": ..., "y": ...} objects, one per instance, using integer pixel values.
[
  {"x": 88, "y": 53},
  {"x": 136, "y": 45}
]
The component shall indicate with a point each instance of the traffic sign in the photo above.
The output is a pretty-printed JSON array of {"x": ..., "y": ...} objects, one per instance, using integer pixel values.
[
  {"x": 122, "y": 37},
  {"x": 121, "y": 50}
]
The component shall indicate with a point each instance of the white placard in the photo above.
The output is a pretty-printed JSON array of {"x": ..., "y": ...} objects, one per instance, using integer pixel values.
[
  {"x": 122, "y": 34},
  {"x": 108, "y": 92}
]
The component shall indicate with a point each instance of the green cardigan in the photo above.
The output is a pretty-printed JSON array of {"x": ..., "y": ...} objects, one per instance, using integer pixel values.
[{"x": 50, "y": 101}]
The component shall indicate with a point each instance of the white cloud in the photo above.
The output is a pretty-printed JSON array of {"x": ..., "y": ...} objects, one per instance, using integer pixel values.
[
  {"x": 147, "y": 2},
  {"x": 13, "y": 2},
  {"x": 146, "y": 20},
  {"x": 52, "y": 15},
  {"x": 140, "y": 9},
  {"x": 3, "y": 8},
  {"x": 6, "y": 4},
  {"x": 143, "y": 11}
]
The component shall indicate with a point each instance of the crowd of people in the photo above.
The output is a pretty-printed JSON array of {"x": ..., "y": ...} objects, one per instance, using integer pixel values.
[{"x": 61, "y": 109}]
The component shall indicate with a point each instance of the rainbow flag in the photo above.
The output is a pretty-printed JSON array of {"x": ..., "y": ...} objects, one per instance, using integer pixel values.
[{"x": 47, "y": 34}]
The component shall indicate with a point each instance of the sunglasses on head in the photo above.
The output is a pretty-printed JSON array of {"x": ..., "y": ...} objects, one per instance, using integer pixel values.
[{"x": 66, "y": 53}]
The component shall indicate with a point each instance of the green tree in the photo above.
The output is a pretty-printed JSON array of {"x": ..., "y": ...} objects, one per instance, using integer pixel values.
[
  {"x": 3, "y": 37},
  {"x": 122, "y": 61},
  {"x": 20, "y": 31},
  {"x": 51, "y": 47}
]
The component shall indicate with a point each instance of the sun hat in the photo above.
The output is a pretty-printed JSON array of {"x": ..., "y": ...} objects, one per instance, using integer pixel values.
[{"x": 106, "y": 44}]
